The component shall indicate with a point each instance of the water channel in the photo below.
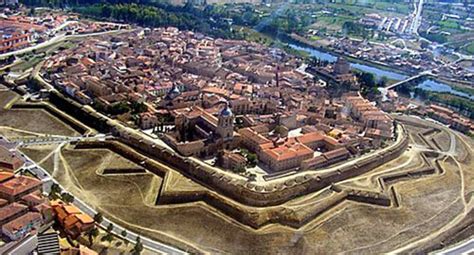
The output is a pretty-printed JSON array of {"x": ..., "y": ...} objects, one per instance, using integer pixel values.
[{"x": 430, "y": 85}]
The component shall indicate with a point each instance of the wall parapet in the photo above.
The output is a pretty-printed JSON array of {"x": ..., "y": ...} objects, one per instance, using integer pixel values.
[{"x": 270, "y": 193}]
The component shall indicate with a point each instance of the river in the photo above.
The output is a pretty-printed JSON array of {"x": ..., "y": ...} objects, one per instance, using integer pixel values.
[
  {"x": 326, "y": 56},
  {"x": 430, "y": 85}
]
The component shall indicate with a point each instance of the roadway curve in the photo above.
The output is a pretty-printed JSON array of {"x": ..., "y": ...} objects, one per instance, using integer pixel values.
[
  {"x": 149, "y": 244},
  {"x": 461, "y": 248},
  {"x": 57, "y": 39}
]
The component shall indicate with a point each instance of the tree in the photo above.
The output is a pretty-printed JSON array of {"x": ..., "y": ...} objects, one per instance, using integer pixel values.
[
  {"x": 138, "y": 248},
  {"x": 119, "y": 108},
  {"x": 383, "y": 81},
  {"x": 280, "y": 130},
  {"x": 138, "y": 107},
  {"x": 67, "y": 197},
  {"x": 110, "y": 227},
  {"x": 124, "y": 235},
  {"x": 252, "y": 159},
  {"x": 108, "y": 238},
  {"x": 239, "y": 169},
  {"x": 367, "y": 79},
  {"x": 98, "y": 218},
  {"x": 91, "y": 233},
  {"x": 252, "y": 177},
  {"x": 55, "y": 191}
]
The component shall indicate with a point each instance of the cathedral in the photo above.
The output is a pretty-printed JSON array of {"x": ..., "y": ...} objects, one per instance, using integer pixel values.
[{"x": 200, "y": 133}]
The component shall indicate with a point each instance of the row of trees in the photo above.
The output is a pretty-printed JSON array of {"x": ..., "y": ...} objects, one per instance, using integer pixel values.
[
  {"x": 145, "y": 13},
  {"x": 213, "y": 20},
  {"x": 109, "y": 236},
  {"x": 121, "y": 107},
  {"x": 57, "y": 193}
]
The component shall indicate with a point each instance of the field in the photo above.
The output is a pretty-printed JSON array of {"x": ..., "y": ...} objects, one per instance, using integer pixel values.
[
  {"x": 333, "y": 23},
  {"x": 469, "y": 48},
  {"x": 6, "y": 97},
  {"x": 426, "y": 204},
  {"x": 22, "y": 119}
]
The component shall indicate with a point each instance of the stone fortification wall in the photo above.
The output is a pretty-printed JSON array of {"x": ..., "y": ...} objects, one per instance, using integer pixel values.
[
  {"x": 267, "y": 194},
  {"x": 254, "y": 194}
]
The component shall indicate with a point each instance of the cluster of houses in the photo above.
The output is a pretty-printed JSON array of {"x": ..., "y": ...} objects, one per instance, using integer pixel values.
[
  {"x": 207, "y": 97},
  {"x": 23, "y": 208},
  {"x": 26, "y": 213},
  {"x": 18, "y": 31},
  {"x": 451, "y": 118}
]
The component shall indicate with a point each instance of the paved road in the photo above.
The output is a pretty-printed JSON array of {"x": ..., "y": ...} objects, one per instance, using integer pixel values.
[
  {"x": 461, "y": 248},
  {"x": 417, "y": 18},
  {"x": 149, "y": 244},
  {"x": 56, "y": 39},
  {"x": 47, "y": 140}
]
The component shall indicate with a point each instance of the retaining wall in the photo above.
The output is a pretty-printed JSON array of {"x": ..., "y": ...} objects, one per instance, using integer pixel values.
[{"x": 268, "y": 194}]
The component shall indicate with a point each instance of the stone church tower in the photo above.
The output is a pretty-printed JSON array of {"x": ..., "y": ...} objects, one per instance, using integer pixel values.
[{"x": 225, "y": 124}]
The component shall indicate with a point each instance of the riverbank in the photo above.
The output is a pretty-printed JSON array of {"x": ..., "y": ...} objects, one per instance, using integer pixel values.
[
  {"x": 463, "y": 86},
  {"x": 296, "y": 39}
]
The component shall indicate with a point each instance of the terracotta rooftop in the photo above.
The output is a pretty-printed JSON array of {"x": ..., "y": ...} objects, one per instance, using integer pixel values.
[
  {"x": 33, "y": 198},
  {"x": 22, "y": 221},
  {"x": 215, "y": 90},
  {"x": 254, "y": 136},
  {"x": 9, "y": 157},
  {"x": 70, "y": 209},
  {"x": 316, "y": 136},
  {"x": 336, "y": 153},
  {"x": 3, "y": 202},
  {"x": 5, "y": 176},
  {"x": 18, "y": 185},
  {"x": 84, "y": 218},
  {"x": 70, "y": 221},
  {"x": 11, "y": 209},
  {"x": 290, "y": 149}
]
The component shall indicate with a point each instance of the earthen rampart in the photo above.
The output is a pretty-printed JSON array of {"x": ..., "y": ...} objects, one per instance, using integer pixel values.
[{"x": 270, "y": 193}]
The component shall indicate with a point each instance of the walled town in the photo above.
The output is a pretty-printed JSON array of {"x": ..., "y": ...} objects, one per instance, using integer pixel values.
[
  {"x": 146, "y": 138},
  {"x": 206, "y": 96}
]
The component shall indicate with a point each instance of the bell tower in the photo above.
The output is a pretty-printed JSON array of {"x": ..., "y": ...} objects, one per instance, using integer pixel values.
[{"x": 225, "y": 124}]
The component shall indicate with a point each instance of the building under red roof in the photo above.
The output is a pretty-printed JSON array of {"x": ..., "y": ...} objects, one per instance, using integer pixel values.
[{"x": 17, "y": 187}]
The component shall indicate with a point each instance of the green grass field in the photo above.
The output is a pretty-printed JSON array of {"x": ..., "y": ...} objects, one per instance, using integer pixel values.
[{"x": 470, "y": 48}]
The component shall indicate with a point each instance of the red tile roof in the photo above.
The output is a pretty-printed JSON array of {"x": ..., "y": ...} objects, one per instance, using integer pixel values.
[
  {"x": 10, "y": 210},
  {"x": 18, "y": 185},
  {"x": 22, "y": 221}
]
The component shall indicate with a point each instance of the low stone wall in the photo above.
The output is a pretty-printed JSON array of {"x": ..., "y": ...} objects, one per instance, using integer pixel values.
[
  {"x": 272, "y": 193},
  {"x": 90, "y": 117},
  {"x": 268, "y": 194},
  {"x": 246, "y": 215}
]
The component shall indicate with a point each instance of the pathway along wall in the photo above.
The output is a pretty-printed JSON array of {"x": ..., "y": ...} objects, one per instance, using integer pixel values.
[
  {"x": 271, "y": 193},
  {"x": 251, "y": 216}
]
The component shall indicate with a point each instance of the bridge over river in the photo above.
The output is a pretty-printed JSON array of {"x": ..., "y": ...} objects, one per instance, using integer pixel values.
[{"x": 413, "y": 78}]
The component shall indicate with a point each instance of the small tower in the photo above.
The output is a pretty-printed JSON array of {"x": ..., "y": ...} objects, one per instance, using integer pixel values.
[
  {"x": 341, "y": 66},
  {"x": 173, "y": 93},
  {"x": 225, "y": 124}
]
